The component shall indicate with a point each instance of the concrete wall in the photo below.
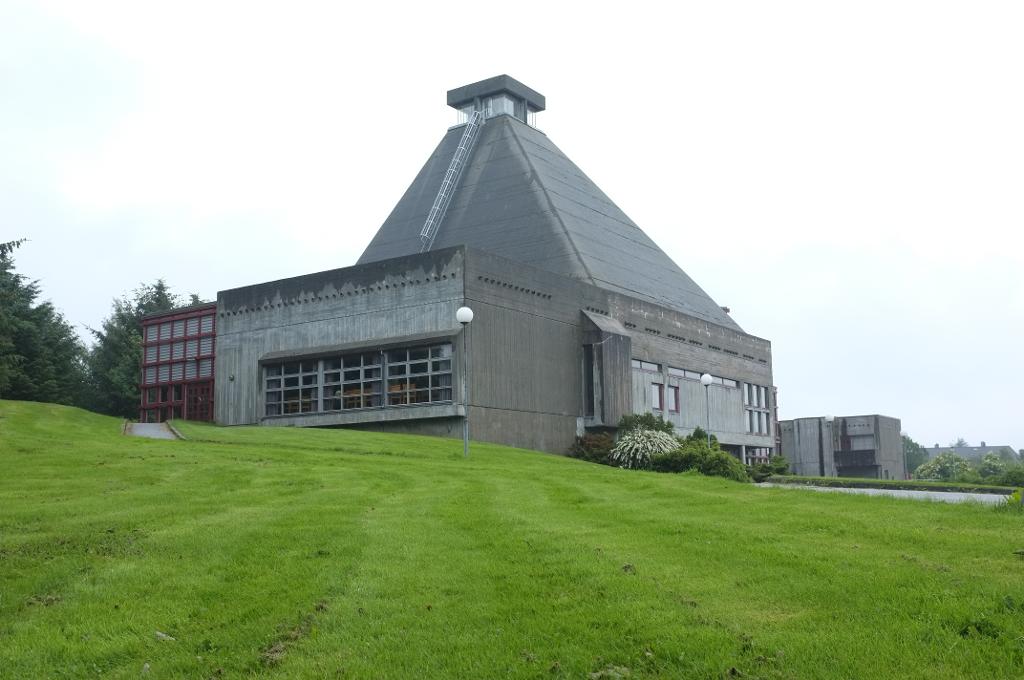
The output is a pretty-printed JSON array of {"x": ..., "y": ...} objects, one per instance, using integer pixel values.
[
  {"x": 363, "y": 305},
  {"x": 851, "y": 446},
  {"x": 807, "y": 445},
  {"x": 543, "y": 314},
  {"x": 525, "y": 347},
  {"x": 880, "y": 434},
  {"x": 525, "y": 354},
  {"x": 670, "y": 339}
]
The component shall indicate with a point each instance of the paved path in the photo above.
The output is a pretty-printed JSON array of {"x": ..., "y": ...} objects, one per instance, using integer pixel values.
[
  {"x": 151, "y": 430},
  {"x": 944, "y": 496}
]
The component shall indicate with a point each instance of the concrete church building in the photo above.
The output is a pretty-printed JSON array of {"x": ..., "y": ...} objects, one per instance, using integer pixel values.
[{"x": 580, "y": 318}]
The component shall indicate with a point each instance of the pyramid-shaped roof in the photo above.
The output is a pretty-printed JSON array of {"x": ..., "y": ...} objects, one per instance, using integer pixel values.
[{"x": 520, "y": 197}]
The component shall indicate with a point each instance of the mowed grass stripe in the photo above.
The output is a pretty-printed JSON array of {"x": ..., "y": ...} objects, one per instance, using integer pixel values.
[{"x": 281, "y": 552}]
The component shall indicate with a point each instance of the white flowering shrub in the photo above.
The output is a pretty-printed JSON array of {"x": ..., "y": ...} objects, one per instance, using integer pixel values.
[{"x": 635, "y": 448}]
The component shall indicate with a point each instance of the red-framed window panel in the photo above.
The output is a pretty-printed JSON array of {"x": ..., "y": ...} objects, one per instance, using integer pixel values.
[{"x": 177, "y": 364}]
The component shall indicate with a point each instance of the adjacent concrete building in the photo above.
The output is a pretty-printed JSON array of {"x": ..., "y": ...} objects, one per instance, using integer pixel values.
[
  {"x": 580, "y": 317},
  {"x": 849, "y": 446}
]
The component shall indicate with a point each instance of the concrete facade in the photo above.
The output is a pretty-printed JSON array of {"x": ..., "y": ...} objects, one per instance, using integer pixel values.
[
  {"x": 579, "y": 317},
  {"x": 525, "y": 349},
  {"x": 867, "y": 446}
]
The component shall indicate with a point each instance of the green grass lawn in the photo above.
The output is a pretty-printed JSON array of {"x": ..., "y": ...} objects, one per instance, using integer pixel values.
[{"x": 330, "y": 553}]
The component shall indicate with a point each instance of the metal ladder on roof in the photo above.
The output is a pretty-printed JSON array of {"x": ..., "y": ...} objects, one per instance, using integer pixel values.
[{"x": 451, "y": 180}]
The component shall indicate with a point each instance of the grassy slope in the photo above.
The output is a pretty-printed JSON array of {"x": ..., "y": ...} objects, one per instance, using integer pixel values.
[{"x": 301, "y": 553}]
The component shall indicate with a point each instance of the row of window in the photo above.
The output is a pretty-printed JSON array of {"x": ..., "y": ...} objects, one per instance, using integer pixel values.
[
  {"x": 398, "y": 377},
  {"x": 664, "y": 399},
  {"x": 682, "y": 373},
  {"x": 182, "y": 349},
  {"x": 497, "y": 105},
  {"x": 758, "y": 455},
  {"x": 755, "y": 396},
  {"x": 179, "y": 329},
  {"x": 667, "y": 399},
  {"x": 159, "y": 395},
  {"x": 759, "y": 422},
  {"x": 184, "y": 370}
]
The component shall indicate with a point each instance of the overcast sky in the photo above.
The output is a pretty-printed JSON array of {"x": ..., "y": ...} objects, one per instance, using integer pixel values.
[{"x": 848, "y": 178}]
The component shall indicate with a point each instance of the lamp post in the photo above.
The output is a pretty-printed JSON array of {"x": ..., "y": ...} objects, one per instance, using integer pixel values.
[
  {"x": 464, "y": 315},
  {"x": 706, "y": 381}
]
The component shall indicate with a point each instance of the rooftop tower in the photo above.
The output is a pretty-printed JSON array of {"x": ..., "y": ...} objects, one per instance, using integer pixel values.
[{"x": 497, "y": 183}]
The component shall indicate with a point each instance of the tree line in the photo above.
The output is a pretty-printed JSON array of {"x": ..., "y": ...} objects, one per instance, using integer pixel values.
[
  {"x": 42, "y": 357},
  {"x": 1004, "y": 468}
]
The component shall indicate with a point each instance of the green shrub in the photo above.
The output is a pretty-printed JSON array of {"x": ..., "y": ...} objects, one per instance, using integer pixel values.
[
  {"x": 945, "y": 467},
  {"x": 699, "y": 434},
  {"x": 594, "y": 448},
  {"x": 1012, "y": 503},
  {"x": 991, "y": 467},
  {"x": 694, "y": 454},
  {"x": 645, "y": 421},
  {"x": 776, "y": 465},
  {"x": 721, "y": 464},
  {"x": 679, "y": 459},
  {"x": 1014, "y": 476},
  {"x": 635, "y": 448}
]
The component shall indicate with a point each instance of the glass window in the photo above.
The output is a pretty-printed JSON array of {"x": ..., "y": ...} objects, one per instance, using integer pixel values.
[
  {"x": 150, "y": 375},
  {"x": 192, "y": 326},
  {"x": 206, "y": 345},
  {"x": 151, "y": 354},
  {"x": 165, "y": 352},
  {"x": 206, "y": 324},
  {"x": 164, "y": 373},
  {"x": 165, "y": 331},
  {"x": 179, "y": 329},
  {"x": 415, "y": 375},
  {"x": 205, "y": 368},
  {"x": 190, "y": 370},
  {"x": 672, "y": 398},
  {"x": 191, "y": 348},
  {"x": 415, "y": 380},
  {"x": 177, "y": 371},
  {"x": 657, "y": 390},
  {"x": 178, "y": 350},
  {"x": 151, "y": 332},
  {"x": 645, "y": 365}
]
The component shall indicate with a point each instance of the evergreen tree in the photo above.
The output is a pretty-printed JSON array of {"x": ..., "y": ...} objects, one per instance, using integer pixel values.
[
  {"x": 914, "y": 453},
  {"x": 116, "y": 357},
  {"x": 41, "y": 356}
]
